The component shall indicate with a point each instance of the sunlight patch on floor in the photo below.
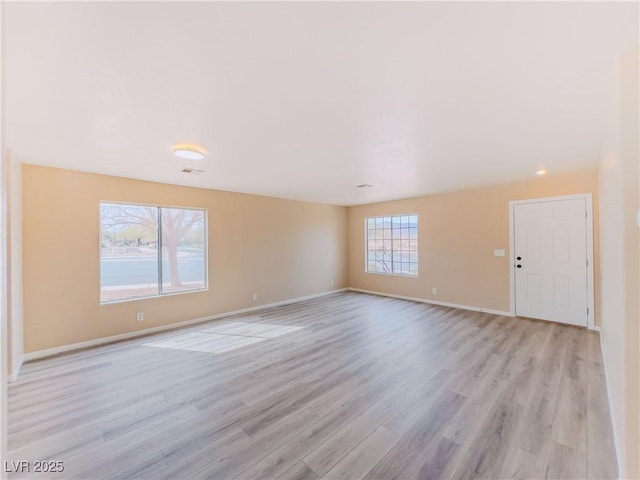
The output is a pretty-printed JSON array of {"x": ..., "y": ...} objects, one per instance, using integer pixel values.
[
  {"x": 224, "y": 337},
  {"x": 251, "y": 329}
]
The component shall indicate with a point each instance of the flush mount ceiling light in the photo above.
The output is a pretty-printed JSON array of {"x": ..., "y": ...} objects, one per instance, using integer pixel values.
[
  {"x": 187, "y": 151},
  {"x": 541, "y": 172}
]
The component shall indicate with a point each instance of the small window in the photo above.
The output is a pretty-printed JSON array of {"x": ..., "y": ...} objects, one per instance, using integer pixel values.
[
  {"x": 146, "y": 251},
  {"x": 392, "y": 245}
]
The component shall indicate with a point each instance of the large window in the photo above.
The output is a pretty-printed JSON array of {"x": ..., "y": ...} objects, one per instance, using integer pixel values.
[
  {"x": 147, "y": 251},
  {"x": 392, "y": 245}
]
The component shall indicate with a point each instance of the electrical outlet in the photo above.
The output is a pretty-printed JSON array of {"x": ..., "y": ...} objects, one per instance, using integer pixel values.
[
  {"x": 255, "y": 297},
  {"x": 140, "y": 317},
  {"x": 434, "y": 291}
]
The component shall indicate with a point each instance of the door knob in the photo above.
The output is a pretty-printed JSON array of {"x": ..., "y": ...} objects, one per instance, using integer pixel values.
[
  {"x": 518, "y": 258},
  {"x": 519, "y": 266}
]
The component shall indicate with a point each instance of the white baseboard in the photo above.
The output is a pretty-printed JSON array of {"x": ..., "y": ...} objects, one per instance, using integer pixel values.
[
  {"x": 433, "y": 302},
  {"x": 606, "y": 381},
  {"x": 13, "y": 376},
  {"x": 139, "y": 333}
]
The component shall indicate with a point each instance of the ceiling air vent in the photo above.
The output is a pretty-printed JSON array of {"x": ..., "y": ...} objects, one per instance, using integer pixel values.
[
  {"x": 364, "y": 185},
  {"x": 192, "y": 171}
]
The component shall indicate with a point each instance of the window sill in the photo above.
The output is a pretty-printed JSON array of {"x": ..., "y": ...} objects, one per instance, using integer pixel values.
[
  {"x": 149, "y": 297},
  {"x": 405, "y": 275}
]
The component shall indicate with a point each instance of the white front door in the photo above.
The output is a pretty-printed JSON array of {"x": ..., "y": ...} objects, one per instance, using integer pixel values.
[{"x": 550, "y": 260}]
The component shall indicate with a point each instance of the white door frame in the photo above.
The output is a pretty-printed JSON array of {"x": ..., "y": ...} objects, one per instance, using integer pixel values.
[{"x": 588, "y": 198}]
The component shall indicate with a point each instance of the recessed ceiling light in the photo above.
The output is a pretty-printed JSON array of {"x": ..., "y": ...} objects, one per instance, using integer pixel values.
[
  {"x": 364, "y": 185},
  {"x": 541, "y": 172},
  {"x": 189, "y": 151}
]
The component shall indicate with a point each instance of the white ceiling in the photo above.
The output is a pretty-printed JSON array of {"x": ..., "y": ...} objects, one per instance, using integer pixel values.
[{"x": 307, "y": 100}]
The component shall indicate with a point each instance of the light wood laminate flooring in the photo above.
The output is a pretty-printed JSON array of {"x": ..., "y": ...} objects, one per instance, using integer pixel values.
[{"x": 365, "y": 387}]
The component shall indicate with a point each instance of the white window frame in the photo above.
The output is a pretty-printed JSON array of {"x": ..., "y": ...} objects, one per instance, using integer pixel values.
[
  {"x": 366, "y": 246},
  {"x": 159, "y": 208}
]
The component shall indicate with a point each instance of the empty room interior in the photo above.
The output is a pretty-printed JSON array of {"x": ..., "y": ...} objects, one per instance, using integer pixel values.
[{"x": 305, "y": 240}]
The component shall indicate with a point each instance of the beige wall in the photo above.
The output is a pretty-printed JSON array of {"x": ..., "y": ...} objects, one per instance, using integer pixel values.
[
  {"x": 280, "y": 249},
  {"x": 620, "y": 240},
  {"x": 458, "y": 232},
  {"x": 630, "y": 154}
]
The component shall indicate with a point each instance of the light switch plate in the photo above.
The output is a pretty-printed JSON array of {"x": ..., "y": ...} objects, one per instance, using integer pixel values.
[{"x": 498, "y": 253}]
